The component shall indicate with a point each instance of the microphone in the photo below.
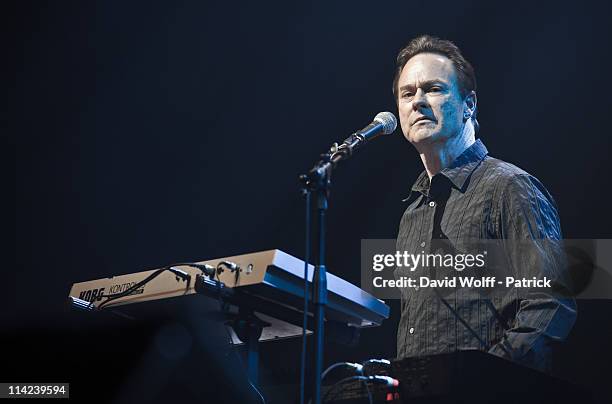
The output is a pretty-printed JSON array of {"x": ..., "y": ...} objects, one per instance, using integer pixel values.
[{"x": 383, "y": 124}]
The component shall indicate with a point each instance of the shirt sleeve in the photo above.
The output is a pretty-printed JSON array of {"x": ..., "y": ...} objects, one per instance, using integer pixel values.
[{"x": 528, "y": 225}]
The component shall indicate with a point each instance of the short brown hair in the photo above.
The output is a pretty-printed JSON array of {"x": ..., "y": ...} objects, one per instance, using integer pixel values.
[{"x": 429, "y": 44}]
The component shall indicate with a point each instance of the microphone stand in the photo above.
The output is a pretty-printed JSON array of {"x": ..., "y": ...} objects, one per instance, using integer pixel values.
[{"x": 318, "y": 180}]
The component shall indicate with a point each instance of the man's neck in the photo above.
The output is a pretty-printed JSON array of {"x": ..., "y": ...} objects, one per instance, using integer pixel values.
[{"x": 437, "y": 156}]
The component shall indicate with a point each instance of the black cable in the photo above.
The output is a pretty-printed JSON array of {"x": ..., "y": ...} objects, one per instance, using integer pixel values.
[
  {"x": 305, "y": 315},
  {"x": 235, "y": 352},
  {"x": 370, "y": 398},
  {"x": 354, "y": 366},
  {"x": 357, "y": 367},
  {"x": 364, "y": 368},
  {"x": 219, "y": 297},
  {"x": 155, "y": 274},
  {"x": 128, "y": 291}
]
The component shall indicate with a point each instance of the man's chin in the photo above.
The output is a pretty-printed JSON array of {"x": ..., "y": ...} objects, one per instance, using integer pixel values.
[{"x": 422, "y": 137}]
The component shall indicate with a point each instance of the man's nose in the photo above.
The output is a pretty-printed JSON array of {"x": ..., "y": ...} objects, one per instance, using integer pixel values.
[{"x": 419, "y": 101}]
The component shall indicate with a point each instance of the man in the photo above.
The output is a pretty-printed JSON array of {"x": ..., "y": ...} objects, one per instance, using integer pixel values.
[{"x": 465, "y": 194}]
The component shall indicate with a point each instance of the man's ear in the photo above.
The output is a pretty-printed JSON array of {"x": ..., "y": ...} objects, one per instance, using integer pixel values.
[{"x": 470, "y": 105}]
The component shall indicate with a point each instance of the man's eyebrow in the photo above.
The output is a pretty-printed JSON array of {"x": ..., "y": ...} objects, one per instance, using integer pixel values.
[{"x": 424, "y": 84}]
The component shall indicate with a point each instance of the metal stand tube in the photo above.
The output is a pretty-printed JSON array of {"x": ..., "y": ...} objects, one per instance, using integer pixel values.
[{"x": 319, "y": 298}]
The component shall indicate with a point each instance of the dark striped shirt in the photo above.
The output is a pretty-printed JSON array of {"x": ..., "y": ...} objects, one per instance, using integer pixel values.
[{"x": 480, "y": 197}]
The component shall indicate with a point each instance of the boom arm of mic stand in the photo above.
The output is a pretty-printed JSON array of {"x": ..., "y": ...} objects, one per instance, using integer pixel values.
[{"x": 319, "y": 177}]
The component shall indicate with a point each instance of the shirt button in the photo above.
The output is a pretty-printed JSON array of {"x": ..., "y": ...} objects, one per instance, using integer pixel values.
[
  {"x": 411, "y": 330},
  {"x": 423, "y": 244},
  {"x": 432, "y": 204}
]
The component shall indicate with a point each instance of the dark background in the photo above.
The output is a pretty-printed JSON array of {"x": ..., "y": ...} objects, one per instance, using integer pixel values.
[{"x": 147, "y": 133}]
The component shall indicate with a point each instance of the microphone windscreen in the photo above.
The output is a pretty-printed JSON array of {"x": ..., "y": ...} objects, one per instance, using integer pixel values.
[{"x": 387, "y": 120}]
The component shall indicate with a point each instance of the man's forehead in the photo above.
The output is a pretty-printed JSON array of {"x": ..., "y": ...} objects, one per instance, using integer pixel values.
[{"x": 427, "y": 67}]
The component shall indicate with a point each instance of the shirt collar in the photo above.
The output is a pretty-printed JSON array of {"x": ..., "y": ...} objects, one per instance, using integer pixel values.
[{"x": 457, "y": 173}]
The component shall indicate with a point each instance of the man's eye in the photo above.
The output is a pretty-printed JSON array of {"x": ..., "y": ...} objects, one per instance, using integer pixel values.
[
  {"x": 407, "y": 95},
  {"x": 435, "y": 89}
]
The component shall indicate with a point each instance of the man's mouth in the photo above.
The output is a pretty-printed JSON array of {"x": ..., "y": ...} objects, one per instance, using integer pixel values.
[{"x": 422, "y": 119}]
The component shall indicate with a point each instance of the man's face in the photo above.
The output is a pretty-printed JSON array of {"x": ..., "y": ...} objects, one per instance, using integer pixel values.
[{"x": 430, "y": 105}]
